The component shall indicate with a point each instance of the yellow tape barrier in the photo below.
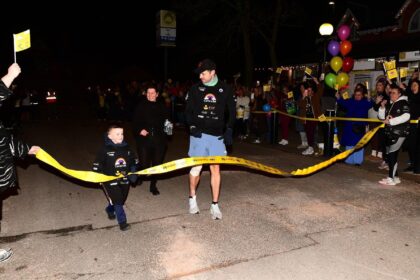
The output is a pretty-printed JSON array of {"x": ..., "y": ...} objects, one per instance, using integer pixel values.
[
  {"x": 90, "y": 176},
  {"x": 327, "y": 119}
]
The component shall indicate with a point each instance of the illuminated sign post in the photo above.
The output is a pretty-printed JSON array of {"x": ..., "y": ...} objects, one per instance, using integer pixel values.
[{"x": 165, "y": 29}]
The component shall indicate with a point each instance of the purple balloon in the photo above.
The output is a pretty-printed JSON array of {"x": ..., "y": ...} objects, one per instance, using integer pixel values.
[
  {"x": 333, "y": 47},
  {"x": 343, "y": 32}
]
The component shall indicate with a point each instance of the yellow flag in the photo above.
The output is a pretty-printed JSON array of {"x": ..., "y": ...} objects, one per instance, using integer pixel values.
[
  {"x": 278, "y": 70},
  {"x": 346, "y": 95},
  {"x": 22, "y": 41},
  {"x": 392, "y": 74},
  {"x": 266, "y": 88},
  {"x": 403, "y": 73},
  {"x": 389, "y": 65},
  {"x": 290, "y": 94},
  {"x": 322, "y": 118},
  {"x": 308, "y": 71}
]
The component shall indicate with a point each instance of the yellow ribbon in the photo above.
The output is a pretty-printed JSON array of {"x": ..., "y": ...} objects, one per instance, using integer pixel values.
[
  {"x": 90, "y": 176},
  {"x": 328, "y": 119}
]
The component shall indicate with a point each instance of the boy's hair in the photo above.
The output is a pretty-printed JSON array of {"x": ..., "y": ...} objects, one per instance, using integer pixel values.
[
  {"x": 152, "y": 85},
  {"x": 394, "y": 86},
  {"x": 112, "y": 126}
]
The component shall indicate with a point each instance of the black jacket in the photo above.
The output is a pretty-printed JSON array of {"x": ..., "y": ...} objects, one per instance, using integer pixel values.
[
  {"x": 150, "y": 116},
  {"x": 114, "y": 159},
  {"x": 10, "y": 149},
  {"x": 207, "y": 107}
]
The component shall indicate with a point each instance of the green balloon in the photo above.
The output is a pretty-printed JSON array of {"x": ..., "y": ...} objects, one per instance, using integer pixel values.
[{"x": 331, "y": 80}]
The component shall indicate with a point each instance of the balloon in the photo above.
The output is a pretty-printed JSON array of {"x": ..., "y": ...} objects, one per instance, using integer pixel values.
[
  {"x": 343, "y": 32},
  {"x": 345, "y": 47},
  {"x": 266, "y": 108},
  {"x": 330, "y": 80},
  {"x": 333, "y": 47},
  {"x": 348, "y": 64},
  {"x": 342, "y": 79},
  {"x": 336, "y": 63}
]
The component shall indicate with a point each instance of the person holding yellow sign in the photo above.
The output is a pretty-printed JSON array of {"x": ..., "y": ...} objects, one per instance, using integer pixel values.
[
  {"x": 10, "y": 148},
  {"x": 310, "y": 107}
]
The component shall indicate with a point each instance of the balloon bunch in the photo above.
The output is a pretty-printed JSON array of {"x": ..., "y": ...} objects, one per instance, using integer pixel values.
[{"x": 337, "y": 63}]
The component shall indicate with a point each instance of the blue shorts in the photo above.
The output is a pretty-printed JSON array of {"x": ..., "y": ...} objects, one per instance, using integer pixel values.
[{"x": 207, "y": 145}]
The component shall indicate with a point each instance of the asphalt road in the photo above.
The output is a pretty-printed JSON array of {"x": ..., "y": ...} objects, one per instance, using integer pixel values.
[{"x": 336, "y": 224}]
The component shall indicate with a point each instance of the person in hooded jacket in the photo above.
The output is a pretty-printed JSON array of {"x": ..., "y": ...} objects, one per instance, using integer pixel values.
[
  {"x": 396, "y": 117},
  {"x": 113, "y": 159},
  {"x": 11, "y": 149}
]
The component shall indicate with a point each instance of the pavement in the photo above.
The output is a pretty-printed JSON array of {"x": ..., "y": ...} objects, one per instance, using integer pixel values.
[{"x": 336, "y": 224}]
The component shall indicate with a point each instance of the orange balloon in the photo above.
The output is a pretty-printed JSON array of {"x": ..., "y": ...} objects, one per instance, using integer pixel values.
[{"x": 345, "y": 47}]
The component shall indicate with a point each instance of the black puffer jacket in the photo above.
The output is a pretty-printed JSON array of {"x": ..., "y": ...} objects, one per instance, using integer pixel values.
[{"x": 10, "y": 149}]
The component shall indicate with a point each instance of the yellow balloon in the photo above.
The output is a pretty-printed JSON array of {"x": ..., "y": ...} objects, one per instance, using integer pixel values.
[
  {"x": 342, "y": 79},
  {"x": 336, "y": 63}
]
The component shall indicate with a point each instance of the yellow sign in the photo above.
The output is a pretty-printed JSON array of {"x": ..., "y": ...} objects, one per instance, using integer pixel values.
[
  {"x": 266, "y": 88},
  {"x": 346, "y": 95},
  {"x": 389, "y": 65},
  {"x": 403, "y": 72},
  {"x": 308, "y": 71},
  {"x": 322, "y": 118},
  {"x": 167, "y": 19},
  {"x": 392, "y": 74},
  {"x": 278, "y": 70},
  {"x": 22, "y": 41},
  {"x": 290, "y": 94}
]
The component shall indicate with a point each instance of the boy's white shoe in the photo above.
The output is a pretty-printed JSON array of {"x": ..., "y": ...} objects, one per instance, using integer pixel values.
[
  {"x": 5, "y": 254},
  {"x": 193, "y": 205},
  {"x": 215, "y": 212},
  {"x": 283, "y": 142},
  {"x": 397, "y": 180}
]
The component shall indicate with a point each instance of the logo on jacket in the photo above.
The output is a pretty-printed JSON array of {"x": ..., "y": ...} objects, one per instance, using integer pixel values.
[
  {"x": 209, "y": 98},
  {"x": 120, "y": 162}
]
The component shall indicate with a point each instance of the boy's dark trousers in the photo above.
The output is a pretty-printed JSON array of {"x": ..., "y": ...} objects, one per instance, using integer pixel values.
[{"x": 117, "y": 194}]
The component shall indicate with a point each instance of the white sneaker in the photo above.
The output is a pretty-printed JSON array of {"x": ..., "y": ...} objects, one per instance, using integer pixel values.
[
  {"x": 308, "y": 151},
  {"x": 379, "y": 155},
  {"x": 193, "y": 205},
  {"x": 283, "y": 142},
  {"x": 215, "y": 212},
  {"x": 257, "y": 141},
  {"x": 387, "y": 181},
  {"x": 304, "y": 145},
  {"x": 5, "y": 254},
  {"x": 397, "y": 180}
]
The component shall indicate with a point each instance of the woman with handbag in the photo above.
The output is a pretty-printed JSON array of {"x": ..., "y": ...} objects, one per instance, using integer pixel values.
[{"x": 396, "y": 117}]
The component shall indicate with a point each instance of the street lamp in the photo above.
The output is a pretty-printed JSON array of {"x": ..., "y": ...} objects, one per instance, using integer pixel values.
[{"x": 326, "y": 29}]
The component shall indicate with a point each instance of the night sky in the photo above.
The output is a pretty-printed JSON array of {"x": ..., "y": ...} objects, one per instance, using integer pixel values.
[{"x": 117, "y": 41}]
